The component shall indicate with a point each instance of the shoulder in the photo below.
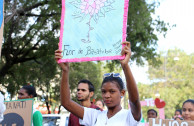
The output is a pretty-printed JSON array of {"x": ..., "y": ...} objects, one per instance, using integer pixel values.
[
  {"x": 37, "y": 118},
  {"x": 37, "y": 113},
  {"x": 125, "y": 112},
  {"x": 92, "y": 110},
  {"x": 129, "y": 116},
  {"x": 1, "y": 98},
  {"x": 72, "y": 116},
  {"x": 95, "y": 107},
  {"x": 2, "y": 105}
]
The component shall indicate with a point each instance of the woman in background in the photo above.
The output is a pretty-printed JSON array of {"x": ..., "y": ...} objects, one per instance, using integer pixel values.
[
  {"x": 100, "y": 104},
  {"x": 188, "y": 110},
  {"x": 26, "y": 92}
]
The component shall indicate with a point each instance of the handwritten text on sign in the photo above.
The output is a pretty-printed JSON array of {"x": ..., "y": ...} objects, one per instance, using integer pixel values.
[
  {"x": 15, "y": 105},
  {"x": 162, "y": 122},
  {"x": 18, "y": 113},
  {"x": 91, "y": 51}
]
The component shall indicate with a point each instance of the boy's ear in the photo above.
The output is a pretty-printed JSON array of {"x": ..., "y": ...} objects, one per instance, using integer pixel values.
[{"x": 91, "y": 94}]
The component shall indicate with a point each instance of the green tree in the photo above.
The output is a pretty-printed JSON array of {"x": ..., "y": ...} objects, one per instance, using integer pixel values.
[
  {"x": 31, "y": 35},
  {"x": 29, "y": 42},
  {"x": 173, "y": 79}
]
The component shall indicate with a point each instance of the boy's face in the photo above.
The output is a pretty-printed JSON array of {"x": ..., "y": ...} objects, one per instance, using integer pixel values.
[
  {"x": 151, "y": 114},
  {"x": 177, "y": 113},
  {"x": 22, "y": 94},
  {"x": 83, "y": 93}
]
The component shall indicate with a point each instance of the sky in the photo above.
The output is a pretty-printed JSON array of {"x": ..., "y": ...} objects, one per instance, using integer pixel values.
[{"x": 181, "y": 13}]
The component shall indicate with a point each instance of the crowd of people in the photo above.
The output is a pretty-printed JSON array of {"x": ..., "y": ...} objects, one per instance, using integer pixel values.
[{"x": 112, "y": 90}]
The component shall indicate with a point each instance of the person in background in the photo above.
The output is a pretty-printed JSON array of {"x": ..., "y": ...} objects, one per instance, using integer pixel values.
[
  {"x": 100, "y": 104},
  {"x": 178, "y": 115},
  {"x": 112, "y": 90},
  {"x": 2, "y": 106},
  {"x": 151, "y": 113},
  {"x": 85, "y": 90},
  {"x": 26, "y": 92},
  {"x": 188, "y": 110},
  {"x": 178, "y": 118}
]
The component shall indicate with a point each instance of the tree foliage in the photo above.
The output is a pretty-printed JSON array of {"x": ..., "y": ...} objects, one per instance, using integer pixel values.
[
  {"x": 31, "y": 34},
  {"x": 173, "y": 80}
]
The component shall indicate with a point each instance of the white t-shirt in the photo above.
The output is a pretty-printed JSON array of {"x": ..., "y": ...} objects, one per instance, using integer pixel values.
[
  {"x": 2, "y": 106},
  {"x": 93, "y": 117}
]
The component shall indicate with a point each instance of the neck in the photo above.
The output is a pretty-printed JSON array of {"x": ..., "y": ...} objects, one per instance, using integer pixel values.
[
  {"x": 86, "y": 103},
  {"x": 113, "y": 111}
]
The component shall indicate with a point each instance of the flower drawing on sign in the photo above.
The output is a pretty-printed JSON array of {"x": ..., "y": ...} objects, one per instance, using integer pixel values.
[
  {"x": 91, "y": 6},
  {"x": 94, "y": 9}
]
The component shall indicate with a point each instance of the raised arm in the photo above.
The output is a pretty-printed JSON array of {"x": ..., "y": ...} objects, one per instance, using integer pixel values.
[
  {"x": 66, "y": 101},
  {"x": 131, "y": 84}
]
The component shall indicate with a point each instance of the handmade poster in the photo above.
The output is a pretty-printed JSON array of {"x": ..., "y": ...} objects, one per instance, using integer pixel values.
[
  {"x": 92, "y": 29},
  {"x": 158, "y": 103},
  {"x": 168, "y": 122},
  {"x": 1, "y": 24},
  {"x": 18, "y": 113}
]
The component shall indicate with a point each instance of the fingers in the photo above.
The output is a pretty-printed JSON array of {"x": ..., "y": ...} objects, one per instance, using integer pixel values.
[
  {"x": 126, "y": 49},
  {"x": 58, "y": 54},
  {"x": 128, "y": 44}
]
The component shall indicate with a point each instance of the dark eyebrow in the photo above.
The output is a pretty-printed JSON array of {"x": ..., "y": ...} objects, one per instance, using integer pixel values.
[{"x": 81, "y": 89}]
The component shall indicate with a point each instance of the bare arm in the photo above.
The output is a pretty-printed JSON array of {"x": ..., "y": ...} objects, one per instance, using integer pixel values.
[
  {"x": 131, "y": 84},
  {"x": 66, "y": 101}
]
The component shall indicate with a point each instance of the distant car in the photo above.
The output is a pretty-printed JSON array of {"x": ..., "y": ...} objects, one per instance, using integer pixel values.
[{"x": 55, "y": 119}]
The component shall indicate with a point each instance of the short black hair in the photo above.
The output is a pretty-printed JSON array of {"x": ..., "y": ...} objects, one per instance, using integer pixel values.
[
  {"x": 30, "y": 90},
  {"x": 153, "y": 111},
  {"x": 179, "y": 110},
  {"x": 90, "y": 85},
  {"x": 189, "y": 100},
  {"x": 119, "y": 81}
]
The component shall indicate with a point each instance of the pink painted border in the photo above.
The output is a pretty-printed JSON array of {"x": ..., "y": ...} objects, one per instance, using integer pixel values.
[
  {"x": 125, "y": 20},
  {"x": 125, "y": 15},
  {"x": 62, "y": 24}
]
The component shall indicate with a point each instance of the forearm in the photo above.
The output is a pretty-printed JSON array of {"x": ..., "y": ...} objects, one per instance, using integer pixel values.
[
  {"x": 131, "y": 84},
  {"x": 132, "y": 92},
  {"x": 64, "y": 89},
  {"x": 66, "y": 101}
]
